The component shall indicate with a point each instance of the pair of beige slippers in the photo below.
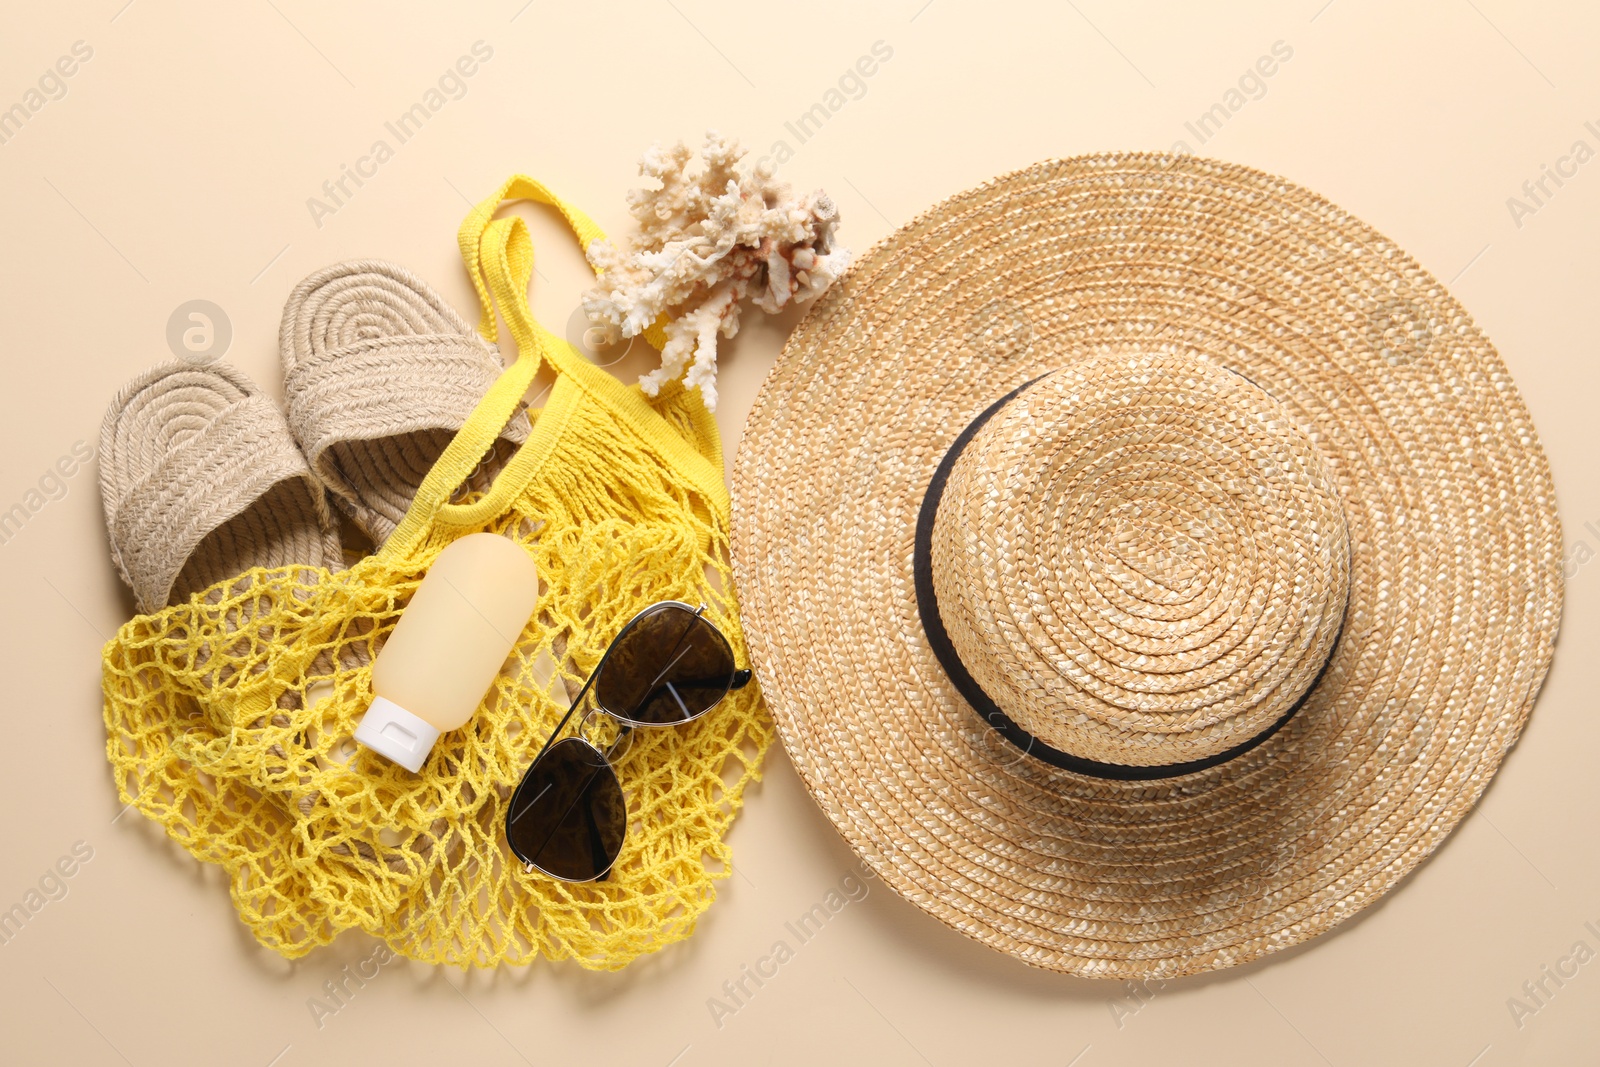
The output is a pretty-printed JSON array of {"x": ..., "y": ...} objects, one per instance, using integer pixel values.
[{"x": 203, "y": 477}]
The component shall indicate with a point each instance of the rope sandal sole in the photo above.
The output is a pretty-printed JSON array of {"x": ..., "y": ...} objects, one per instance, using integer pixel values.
[
  {"x": 380, "y": 373},
  {"x": 201, "y": 481}
]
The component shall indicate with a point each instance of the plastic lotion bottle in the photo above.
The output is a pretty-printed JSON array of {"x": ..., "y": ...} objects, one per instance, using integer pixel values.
[{"x": 449, "y": 644}]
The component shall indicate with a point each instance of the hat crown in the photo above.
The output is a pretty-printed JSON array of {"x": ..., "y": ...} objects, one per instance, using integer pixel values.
[{"x": 1141, "y": 559}]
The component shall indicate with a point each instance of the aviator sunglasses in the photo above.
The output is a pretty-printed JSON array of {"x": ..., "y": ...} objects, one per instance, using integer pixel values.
[{"x": 667, "y": 666}]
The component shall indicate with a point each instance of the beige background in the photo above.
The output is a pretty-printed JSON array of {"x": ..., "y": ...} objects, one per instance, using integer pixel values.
[{"x": 178, "y": 165}]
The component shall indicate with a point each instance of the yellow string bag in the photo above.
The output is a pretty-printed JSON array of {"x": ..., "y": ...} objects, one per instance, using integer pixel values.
[{"x": 229, "y": 717}]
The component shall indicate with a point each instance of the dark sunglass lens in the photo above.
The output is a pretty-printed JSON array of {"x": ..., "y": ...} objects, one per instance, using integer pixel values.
[
  {"x": 568, "y": 816},
  {"x": 669, "y": 666}
]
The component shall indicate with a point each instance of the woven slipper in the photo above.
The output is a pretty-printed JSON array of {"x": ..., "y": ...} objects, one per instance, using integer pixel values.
[
  {"x": 201, "y": 481},
  {"x": 380, "y": 373}
]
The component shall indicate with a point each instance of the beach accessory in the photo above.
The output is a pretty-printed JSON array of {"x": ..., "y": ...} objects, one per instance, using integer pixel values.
[
  {"x": 1190, "y": 555},
  {"x": 709, "y": 241},
  {"x": 237, "y": 739},
  {"x": 380, "y": 373},
  {"x": 201, "y": 481},
  {"x": 449, "y": 645},
  {"x": 668, "y": 666}
]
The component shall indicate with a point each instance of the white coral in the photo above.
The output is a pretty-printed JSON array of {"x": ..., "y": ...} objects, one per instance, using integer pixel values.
[{"x": 707, "y": 242}]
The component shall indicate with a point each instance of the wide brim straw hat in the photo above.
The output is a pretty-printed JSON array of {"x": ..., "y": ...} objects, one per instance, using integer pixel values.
[{"x": 1147, "y": 563}]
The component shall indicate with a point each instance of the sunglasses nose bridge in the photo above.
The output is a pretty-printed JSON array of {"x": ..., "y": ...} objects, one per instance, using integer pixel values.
[{"x": 603, "y": 728}]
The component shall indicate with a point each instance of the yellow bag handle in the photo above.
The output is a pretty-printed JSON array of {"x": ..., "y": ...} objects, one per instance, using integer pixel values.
[
  {"x": 478, "y": 225},
  {"x": 498, "y": 255}
]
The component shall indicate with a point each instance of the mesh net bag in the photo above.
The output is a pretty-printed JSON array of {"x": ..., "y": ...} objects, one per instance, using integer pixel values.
[{"x": 230, "y": 717}]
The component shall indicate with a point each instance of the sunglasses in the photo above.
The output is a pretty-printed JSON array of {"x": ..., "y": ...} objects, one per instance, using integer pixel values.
[{"x": 668, "y": 666}]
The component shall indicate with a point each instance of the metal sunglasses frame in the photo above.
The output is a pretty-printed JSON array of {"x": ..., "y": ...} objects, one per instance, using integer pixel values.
[{"x": 740, "y": 678}]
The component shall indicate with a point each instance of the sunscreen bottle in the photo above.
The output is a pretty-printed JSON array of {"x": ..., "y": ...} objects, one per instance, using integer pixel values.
[{"x": 448, "y": 646}]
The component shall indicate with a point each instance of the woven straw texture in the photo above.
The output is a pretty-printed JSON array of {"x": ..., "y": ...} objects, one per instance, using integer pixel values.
[
  {"x": 1161, "y": 527},
  {"x": 379, "y": 373},
  {"x": 197, "y": 473},
  {"x": 230, "y": 721},
  {"x": 1124, "y": 529}
]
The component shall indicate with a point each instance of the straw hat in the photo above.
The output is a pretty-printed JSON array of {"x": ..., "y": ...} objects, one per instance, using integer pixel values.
[{"x": 1146, "y": 562}]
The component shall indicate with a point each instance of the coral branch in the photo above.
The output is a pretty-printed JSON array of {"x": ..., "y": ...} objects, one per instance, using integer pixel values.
[{"x": 706, "y": 243}]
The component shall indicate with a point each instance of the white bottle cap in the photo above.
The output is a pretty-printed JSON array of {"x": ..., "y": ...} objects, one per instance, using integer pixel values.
[{"x": 393, "y": 732}]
